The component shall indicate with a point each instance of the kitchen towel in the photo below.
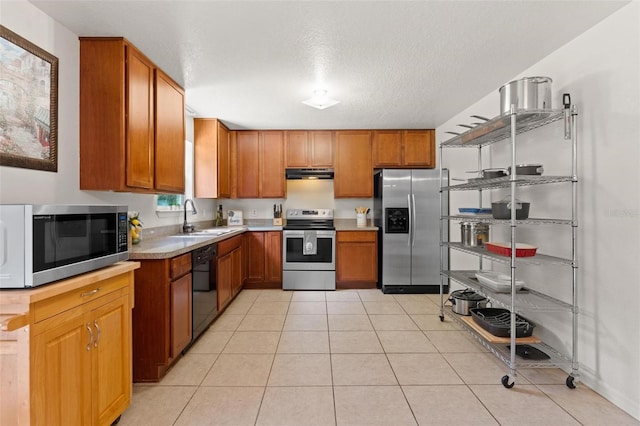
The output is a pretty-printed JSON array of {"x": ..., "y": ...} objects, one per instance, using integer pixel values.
[{"x": 310, "y": 243}]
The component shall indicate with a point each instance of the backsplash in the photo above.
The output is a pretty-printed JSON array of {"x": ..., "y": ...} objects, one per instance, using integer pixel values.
[{"x": 301, "y": 194}]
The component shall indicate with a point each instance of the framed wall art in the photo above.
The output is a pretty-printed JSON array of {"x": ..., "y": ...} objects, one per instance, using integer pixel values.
[{"x": 28, "y": 104}]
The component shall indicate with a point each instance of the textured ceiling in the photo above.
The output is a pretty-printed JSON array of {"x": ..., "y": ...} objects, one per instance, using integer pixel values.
[{"x": 391, "y": 64}]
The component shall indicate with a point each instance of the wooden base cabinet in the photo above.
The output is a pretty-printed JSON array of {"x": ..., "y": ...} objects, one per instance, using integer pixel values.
[
  {"x": 162, "y": 324},
  {"x": 356, "y": 259},
  {"x": 71, "y": 364},
  {"x": 263, "y": 260},
  {"x": 229, "y": 270}
]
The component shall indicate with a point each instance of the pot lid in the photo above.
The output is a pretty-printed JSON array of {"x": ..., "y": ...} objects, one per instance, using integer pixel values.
[{"x": 467, "y": 295}]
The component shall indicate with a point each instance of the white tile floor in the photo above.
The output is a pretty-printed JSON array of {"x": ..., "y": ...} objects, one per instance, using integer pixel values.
[{"x": 355, "y": 357}]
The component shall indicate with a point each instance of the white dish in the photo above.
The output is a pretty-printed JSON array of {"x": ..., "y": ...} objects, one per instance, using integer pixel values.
[{"x": 498, "y": 282}]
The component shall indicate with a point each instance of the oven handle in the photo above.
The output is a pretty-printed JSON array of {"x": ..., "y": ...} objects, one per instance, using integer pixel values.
[{"x": 300, "y": 234}]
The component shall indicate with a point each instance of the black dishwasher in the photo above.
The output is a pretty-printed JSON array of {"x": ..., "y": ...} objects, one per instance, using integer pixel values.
[{"x": 204, "y": 287}]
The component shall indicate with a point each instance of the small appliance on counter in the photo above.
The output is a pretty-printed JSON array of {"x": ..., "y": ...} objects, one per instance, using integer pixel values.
[{"x": 234, "y": 218}]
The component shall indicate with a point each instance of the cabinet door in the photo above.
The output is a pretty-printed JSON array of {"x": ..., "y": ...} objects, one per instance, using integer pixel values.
[
  {"x": 272, "y": 182},
  {"x": 419, "y": 148},
  {"x": 180, "y": 314},
  {"x": 61, "y": 391},
  {"x": 111, "y": 360},
  {"x": 139, "y": 133},
  {"x": 387, "y": 148},
  {"x": 224, "y": 162},
  {"x": 255, "y": 256},
  {"x": 321, "y": 149},
  {"x": 248, "y": 164},
  {"x": 236, "y": 267},
  {"x": 353, "y": 166},
  {"x": 357, "y": 257},
  {"x": 273, "y": 257},
  {"x": 169, "y": 135},
  {"x": 296, "y": 148},
  {"x": 206, "y": 157},
  {"x": 225, "y": 275}
]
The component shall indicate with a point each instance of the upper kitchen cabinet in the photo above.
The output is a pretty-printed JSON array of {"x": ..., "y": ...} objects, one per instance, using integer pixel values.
[
  {"x": 259, "y": 163},
  {"x": 353, "y": 171},
  {"x": 131, "y": 121},
  {"x": 404, "y": 148},
  {"x": 309, "y": 149},
  {"x": 212, "y": 159}
]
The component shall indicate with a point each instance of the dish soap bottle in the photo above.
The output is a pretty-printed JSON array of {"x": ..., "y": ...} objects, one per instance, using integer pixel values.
[{"x": 219, "y": 216}]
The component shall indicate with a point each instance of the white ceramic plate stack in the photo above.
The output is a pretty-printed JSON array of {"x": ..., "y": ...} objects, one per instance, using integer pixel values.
[{"x": 498, "y": 282}]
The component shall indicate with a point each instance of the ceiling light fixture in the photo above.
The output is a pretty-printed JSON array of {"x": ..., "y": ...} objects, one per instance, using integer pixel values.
[{"x": 320, "y": 100}]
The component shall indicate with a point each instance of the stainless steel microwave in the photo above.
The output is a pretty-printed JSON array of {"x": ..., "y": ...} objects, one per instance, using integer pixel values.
[{"x": 40, "y": 244}]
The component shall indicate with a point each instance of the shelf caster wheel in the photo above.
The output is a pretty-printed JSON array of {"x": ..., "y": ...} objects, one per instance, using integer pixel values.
[
  {"x": 505, "y": 382},
  {"x": 571, "y": 382},
  {"x": 441, "y": 318},
  {"x": 116, "y": 421}
]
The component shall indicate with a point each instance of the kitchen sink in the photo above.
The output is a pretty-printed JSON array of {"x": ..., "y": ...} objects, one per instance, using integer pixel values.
[{"x": 211, "y": 232}]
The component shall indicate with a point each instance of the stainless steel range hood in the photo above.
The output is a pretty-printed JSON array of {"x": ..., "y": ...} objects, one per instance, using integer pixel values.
[{"x": 309, "y": 173}]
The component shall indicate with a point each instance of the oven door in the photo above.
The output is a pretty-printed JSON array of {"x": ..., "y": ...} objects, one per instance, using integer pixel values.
[{"x": 322, "y": 258}]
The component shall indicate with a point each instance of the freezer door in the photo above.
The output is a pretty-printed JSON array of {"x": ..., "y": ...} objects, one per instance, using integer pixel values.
[
  {"x": 425, "y": 255},
  {"x": 396, "y": 247}
]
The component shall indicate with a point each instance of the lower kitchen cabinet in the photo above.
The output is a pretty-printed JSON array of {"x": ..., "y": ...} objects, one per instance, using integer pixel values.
[
  {"x": 356, "y": 259},
  {"x": 69, "y": 361},
  {"x": 263, "y": 260},
  {"x": 229, "y": 270},
  {"x": 162, "y": 324}
]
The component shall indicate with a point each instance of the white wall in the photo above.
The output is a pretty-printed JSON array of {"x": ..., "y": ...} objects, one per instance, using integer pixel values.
[
  {"x": 26, "y": 186},
  {"x": 601, "y": 71}
]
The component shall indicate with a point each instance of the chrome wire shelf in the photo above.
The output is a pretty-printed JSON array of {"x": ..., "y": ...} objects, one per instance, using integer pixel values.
[
  {"x": 499, "y": 128},
  {"x": 485, "y": 218},
  {"x": 505, "y": 182},
  {"x": 556, "y": 359},
  {"x": 538, "y": 259},
  {"x": 526, "y": 299}
]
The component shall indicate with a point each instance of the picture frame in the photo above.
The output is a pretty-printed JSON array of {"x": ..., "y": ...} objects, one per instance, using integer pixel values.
[{"x": 28, "y": 104}]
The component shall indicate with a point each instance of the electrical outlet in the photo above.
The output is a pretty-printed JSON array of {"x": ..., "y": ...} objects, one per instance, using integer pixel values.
[{"x": 254, "y": 213}]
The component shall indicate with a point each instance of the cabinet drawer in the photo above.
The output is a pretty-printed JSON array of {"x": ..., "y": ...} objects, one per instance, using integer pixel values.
[
  {"x": 229, "y": 244},
  {"x": 65, "y": 301},
  {"x": 180, "y": 265},
  {"x": 356, "y": 236}
]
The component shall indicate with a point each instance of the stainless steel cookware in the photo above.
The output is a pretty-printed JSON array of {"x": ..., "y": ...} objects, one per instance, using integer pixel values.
[
  {"x": 462, "y": 301},
  {"x": 528, "y": 169},
  {"x": 474, "y": 234},
  {"x": 528, "y": 93}
]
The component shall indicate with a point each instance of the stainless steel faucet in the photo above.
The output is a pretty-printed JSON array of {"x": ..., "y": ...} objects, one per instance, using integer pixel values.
[{"x": 188, "y": 227}]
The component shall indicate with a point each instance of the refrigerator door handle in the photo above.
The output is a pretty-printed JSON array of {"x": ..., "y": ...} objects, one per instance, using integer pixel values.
[
  {"x": 410, "y": 233},
  {"x": 413, "y": 219}
]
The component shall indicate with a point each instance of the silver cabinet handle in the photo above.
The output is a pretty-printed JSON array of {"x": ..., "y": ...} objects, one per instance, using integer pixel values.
[
  {"x": 90, "y": 293},
  {"x": 90, "y": 336},
  {"x": 95, "y": 324}
]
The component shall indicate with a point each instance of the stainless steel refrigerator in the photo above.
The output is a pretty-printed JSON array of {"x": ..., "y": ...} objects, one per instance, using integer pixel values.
[{"x": 407, "y": 210}]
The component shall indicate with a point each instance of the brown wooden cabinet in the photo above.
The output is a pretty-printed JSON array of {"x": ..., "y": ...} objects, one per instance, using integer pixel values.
[
  {"x": 71, "y": 364},
  {"x": 404, "y": 148},
  {"x": 263, "y": 260},
  {"x": 309, "y": 149},
  {"x": 229, "y": 270},
  {"x": 259, "y": 164},
  {"x": 353, "y": 170},
  {"x": 162, "y": 315},
  {"x": 356, "y": 259},
  {"x": 212, "y": 159},
  {"x": 131, "y": 121}
]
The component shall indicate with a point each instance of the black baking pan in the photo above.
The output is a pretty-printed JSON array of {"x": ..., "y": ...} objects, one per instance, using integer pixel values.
[
  {"x": 498, "y": 322},
  {"x": 529, "y": 352}
]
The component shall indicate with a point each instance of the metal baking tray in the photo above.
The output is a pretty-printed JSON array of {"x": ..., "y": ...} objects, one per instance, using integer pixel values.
[{"x": 497, "y": 321}]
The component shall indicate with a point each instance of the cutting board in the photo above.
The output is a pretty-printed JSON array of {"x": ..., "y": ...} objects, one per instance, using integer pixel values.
[{"x": 495, "y": 339}]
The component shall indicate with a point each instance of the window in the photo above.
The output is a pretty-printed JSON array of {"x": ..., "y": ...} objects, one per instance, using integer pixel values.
[{"x": 174, "y": 202}]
